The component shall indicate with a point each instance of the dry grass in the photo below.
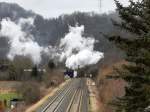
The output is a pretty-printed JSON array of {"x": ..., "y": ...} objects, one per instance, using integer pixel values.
[
  {"x": 109, "y": 89},
  {"x": 8, "y": 86},
  {"x": 50, "y": 93}
]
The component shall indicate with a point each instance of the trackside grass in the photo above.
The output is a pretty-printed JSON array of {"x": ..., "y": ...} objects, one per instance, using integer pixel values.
[{"x": 8, "y": 96}]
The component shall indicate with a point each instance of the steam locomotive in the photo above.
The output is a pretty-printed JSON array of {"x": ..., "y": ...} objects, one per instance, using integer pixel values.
[{"x": 70, "y": 73}]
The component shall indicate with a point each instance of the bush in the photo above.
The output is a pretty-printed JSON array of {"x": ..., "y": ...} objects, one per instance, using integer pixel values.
[{"x": 30, "y": 92}]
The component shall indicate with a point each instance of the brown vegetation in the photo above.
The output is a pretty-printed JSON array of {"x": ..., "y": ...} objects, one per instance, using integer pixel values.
[
  {"x": 109, "y": 89},
  {"x": 53, "y": 78},
  {"x": 8, "y": 86},
  {"x": 30, "y": 92}
]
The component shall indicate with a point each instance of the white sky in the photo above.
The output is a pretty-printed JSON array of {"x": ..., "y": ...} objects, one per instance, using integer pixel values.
[{"x": 54, "y": 8}]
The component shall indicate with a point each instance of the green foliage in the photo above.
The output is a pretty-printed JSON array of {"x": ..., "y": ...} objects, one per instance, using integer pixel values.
[
  {"x": 8, "y": 97},
  {"x": 135, "y": 19}
]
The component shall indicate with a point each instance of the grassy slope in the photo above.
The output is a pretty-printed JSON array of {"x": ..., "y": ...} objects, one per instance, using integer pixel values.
[
  {"x": 8, "y": 97},
  {"x": 109, "y": 88}
]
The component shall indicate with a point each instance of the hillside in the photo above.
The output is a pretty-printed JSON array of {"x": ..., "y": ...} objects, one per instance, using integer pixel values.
[
  {"x": 109, "y": 88},
  {"x": 49, "y": 31}
]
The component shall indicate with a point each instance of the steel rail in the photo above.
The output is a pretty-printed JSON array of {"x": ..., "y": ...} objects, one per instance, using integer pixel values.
[{"x": 63, "y": 91}]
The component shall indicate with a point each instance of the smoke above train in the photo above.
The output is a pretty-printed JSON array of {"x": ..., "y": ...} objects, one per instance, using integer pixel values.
[{"x": 75, "y": 50}]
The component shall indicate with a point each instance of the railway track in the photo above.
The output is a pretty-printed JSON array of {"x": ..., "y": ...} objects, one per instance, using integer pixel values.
[
  {"x": 76, "y": 101},
  {"x": 68, "y": 99}
]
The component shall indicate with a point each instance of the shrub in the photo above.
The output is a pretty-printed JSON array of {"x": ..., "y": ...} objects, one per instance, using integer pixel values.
[{"x": 30, "y": 92}]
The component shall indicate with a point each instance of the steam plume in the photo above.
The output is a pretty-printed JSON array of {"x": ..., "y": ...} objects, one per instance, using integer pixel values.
[
  {"x": 74, "y": 49},
  {"x": 21, "y": 43},
  {"x": 77, "y": 50}
]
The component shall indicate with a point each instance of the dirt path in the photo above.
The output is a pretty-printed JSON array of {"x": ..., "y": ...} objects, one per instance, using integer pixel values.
[{"x": 95, "y": 104}]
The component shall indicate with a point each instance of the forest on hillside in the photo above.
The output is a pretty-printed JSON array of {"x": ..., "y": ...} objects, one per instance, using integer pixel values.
[{"x": 50, "y": 31}]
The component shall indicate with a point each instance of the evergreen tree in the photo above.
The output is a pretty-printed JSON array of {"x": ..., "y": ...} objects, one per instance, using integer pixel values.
[
  {"x": 34, "y": 71},
  {"x": 12, "y": 71},
  {"x": 51, "y": 65},
  {"x": 136, "y": 20}
]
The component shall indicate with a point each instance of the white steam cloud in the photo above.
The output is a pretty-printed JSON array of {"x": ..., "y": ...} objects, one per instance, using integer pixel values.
[
  {"x": 77, "y": 50},
  {"x": 74, "y": 49},
  {"x": 21, "y": 43}
]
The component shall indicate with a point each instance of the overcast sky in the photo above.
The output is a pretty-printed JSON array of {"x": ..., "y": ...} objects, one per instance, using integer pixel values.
[{"x": 54, "y": 8}]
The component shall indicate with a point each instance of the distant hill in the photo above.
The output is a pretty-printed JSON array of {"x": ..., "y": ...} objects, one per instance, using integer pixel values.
[
  {"x": 13, "y": 11},
  {"x": 50, "y": 31}
]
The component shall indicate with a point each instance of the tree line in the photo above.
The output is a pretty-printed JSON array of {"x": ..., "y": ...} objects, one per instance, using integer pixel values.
[{"x": 136, "y": 20}]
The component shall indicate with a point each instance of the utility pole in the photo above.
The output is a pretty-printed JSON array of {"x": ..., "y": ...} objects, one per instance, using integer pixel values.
[{"x": 100, "y": 6}]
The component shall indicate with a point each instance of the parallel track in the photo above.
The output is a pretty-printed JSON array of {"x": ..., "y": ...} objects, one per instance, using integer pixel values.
[
  {"x": 68, "y": 99},
  {"x": 76, "y": 102}
]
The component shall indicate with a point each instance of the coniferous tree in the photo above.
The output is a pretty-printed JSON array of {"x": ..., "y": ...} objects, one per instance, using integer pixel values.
[
  {"x": 136, "y": 20},
  {"x": 51, "y": 65},
  {"x": 34, "y": 72}
]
